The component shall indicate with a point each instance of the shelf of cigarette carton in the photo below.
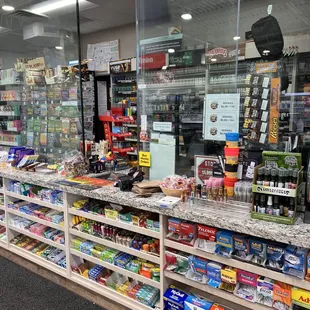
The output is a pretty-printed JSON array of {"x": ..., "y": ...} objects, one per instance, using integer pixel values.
[
  {"x": 240, "y": 265},
  {"x": 8, "y": 113},
  {"x": 121, "y": 135},
  {"x": 10, "y": 130},
  {"x": 119, "y": 119},
  {"x": 37, "y": 237},
  {"x": 126, "y": 82},
  {"x": 119, "y": 224},
  {"x": 125, "y": 93},
  {"x": 38, "y": 260},
  {"x": 36, "y": 219},
  {"x": 278, "y": 191},
  {"x": 109, "y": 293},
  {"x": 216, "y": 292},
  {"x": 112, "y": 267},
  {"x": 119, "y": 247},
  {"x": 34, "y": 200}
]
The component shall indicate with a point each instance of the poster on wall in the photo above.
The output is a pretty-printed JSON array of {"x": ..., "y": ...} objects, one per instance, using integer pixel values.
[
  {"x": 101, "y": 54},
  {"x": 221, "y": 115}
]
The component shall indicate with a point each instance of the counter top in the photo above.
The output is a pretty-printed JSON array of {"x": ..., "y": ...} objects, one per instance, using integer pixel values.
[{"x": 226, "y": 216}]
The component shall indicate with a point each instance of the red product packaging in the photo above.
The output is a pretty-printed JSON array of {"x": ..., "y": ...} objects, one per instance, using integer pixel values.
[
  {"x": 206, "y": 232},
  {"x": 188, "y": 232}
]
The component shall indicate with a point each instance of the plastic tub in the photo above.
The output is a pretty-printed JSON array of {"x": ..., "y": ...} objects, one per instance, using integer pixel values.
[
  {"x": 232, "y": 139},
  {"x": 231, "y": 171},
  {"x": 231, "y": 155},
  {"x": 229, "y": 184}
]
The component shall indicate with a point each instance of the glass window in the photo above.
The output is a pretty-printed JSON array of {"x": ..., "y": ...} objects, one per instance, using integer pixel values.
[{"x": 208, "y": 68}]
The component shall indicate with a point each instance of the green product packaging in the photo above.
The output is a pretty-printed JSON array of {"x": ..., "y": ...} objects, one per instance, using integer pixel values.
[{"x": 280, "y": 159}]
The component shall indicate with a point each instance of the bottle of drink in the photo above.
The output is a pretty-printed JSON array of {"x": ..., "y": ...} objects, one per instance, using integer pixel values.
[
  {"x": 294, "y": 179},
  {"x": 286, "y": 179},
  {"x": 262, "y": 207},
  {"x": 285, "y": 206},
  {"x": 276, "y": 206},
  {"x": 266, "y": 181},
  {"x": 260, "y": 176},
  {"x": 291, "y": 207},
  {"x": 269, "y": 205},
  {"x": 256, "y": 203},
  {"x": 281, "y": 181},
  {"x": 204, "y": 192},
  {"x": 290, "y": 177},
  {"x": 274, "y": 178},
  {"x": 281, "y": 205}
]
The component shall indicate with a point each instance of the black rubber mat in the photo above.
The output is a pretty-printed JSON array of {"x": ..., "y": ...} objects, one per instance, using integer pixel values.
[{"x": 22, "y": 289}]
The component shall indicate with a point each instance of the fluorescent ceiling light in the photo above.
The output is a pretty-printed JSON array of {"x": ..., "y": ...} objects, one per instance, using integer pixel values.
[
  {"x": 187, "y": 16},
  {"x": 54, "y": 5},
  {"x": 8, "y": 8},
  {"x": 213, "y": 59},
  {"x": 58, "y": 47},
  {"x": 171, "y": 50},
  {"x": 236, "y": 38}
]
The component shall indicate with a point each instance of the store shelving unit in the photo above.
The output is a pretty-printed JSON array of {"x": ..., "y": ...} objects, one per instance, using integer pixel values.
[{"x": 167, "y": 278}]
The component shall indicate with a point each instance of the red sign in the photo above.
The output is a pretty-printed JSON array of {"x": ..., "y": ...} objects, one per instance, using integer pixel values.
[
  {"x": 153, "y": 61},
  {"x": 204, "y": 167}
]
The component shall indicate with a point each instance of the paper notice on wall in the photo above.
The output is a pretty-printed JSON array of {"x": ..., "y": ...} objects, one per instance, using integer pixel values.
[
  {"x": 221, "y": 115},
  {"x": 102, "y": 97},
  {"x": 101, "y": 54}
]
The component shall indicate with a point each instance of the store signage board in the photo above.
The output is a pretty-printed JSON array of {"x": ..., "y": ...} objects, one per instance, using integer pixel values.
[
  {"x": 162, "y": 126},
  {"x": 161, "y": 44},
  {"x": 204, "y": 167},
  {"x": 145, "y": 159},
  {"x": 274, "y": 110},
  {"x": 225, "y": 54},
  {"x": 221, "y": 115},
  {"x": 120, "y": 66},
  {"x": 186, "y": 58},
  {"x": 37, "y": 64},
  {"x": 153, "y": 61}
]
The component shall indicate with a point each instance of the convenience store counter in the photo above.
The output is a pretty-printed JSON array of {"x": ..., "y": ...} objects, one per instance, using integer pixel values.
[{"x": 224, "y": 216}]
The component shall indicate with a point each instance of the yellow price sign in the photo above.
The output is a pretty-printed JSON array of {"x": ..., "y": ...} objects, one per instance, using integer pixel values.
[{"x": 145, "y": 159}]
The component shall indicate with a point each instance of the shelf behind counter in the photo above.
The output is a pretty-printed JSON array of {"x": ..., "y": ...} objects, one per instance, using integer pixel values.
[{"x": 223, "y": 215}]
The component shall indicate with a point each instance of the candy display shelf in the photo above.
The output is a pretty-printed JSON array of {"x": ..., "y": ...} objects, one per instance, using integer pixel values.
[
  {"x": 37, "y": 237},
  {"x": 109, "y": 293},
  {"x": 119, "y": 247},
  {"x": 103, "y": 219},
  {"x": 35, "y": 219},
  {"x": 217, "y": 292},
  {"x": 109, "y": 266},
  {"x": 38, "y": 260},
  {"x": 207, "y": 213},
  {"x": 239, "y": 264},
  {"x": 34, "y": 200}
]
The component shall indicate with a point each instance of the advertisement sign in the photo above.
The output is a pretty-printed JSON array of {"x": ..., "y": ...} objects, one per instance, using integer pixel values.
[
  {"x": 225, "y": 54},
  {"x": 274, "y": 110},
  {"x": 221, "y": 115},
  {"x": 161, "y": 44},
  {"x": 120, "y": 66},
  {"x": 37, "y": 64},
  {"x": 153, "y": 61},
  {"x": 145, "y": 159},
  {"x": 204, "y": 167},
  {"x": 186, "y": 58}
]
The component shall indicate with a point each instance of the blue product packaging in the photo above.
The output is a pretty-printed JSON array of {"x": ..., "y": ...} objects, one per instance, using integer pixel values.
[
  {"x": 197, "y": 269},
  {"x": 275, "y": 256},
  {"x": 174, "y": 299},
  {"x": 224, "y": 243},
  {"x": 258, "y": 252},
  {"x": 194, "y": 303},
  {"x": 241, "y": 246},
  {"x": 214, "y": 274},
  {"x": 265, "y": 291},
  {"x": 295, "y": 261}
]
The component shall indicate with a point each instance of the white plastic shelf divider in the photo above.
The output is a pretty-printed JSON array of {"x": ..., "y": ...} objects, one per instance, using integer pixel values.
[
  {"x": 109, "y": 293},
  {"x": 38, "y": 260},
  {"x": 122, "y": 248},
  {"x": 36, "y": 219},
  {"x": 34, "y": 236},
  {"x": 34, "y": 200},
  {"x": 103, "y": 219},
  {"x": 115, "y": 268},
  {"x": 214, "y": 291},
  {"x": 240, "y": 265}
]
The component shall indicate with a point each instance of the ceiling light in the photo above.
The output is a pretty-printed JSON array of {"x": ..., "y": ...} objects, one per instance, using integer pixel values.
[
  {"x": 236, "y": 38},
  {"x": 8, "y": 8},
  {"x": 187, "y": 16},
  {"x": 54, "y": 6},
  {"x": 213, "y": 59},
  {"x": 171, "y": 50},
  {"x": 58, "y": 47}
]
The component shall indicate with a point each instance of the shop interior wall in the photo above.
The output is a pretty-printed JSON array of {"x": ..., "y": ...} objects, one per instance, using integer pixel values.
[{"x": 126, "y": 35}]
